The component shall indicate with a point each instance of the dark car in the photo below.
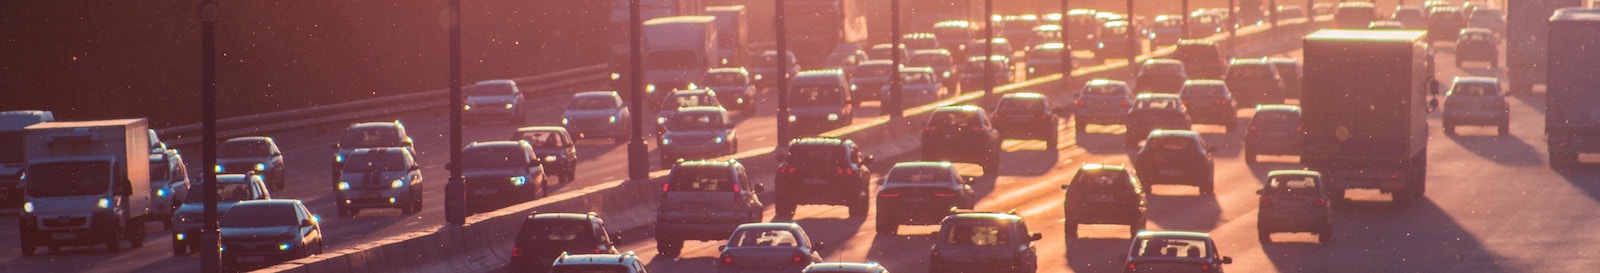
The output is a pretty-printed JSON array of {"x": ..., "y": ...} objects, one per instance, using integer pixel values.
[
  {"x": 705, "y": 200},
  {"x": 962, "y": 134},
  {"x": 920, "y": 193},
  {"x": 379, "y": 178},
  {"x": 1166, "y": 30},
  {"x": 1102, "y": 101},
  {"x": 1289, "y": 72},
  {"x": 918, "y": 41},
  {"x": 1160, "y": 76},
  {"x": 1410, "y": 17},
  {"x": 1114, "y": 42},
  {"x": 1209, "y": 102},
  {"x": 1354, "y": 15},
  {"x": 998, "y": 68},
  {"x": 820, "y": 101},
  {"x": 257, "y": 155},
  {"x": 1174, "y": 251},
  {"x": 1045, "y": 60},
  {"x": 984, "y": 242},
  {"x": 369, "y": 135},
  {"x": 502, "y": 171},
  {"x": 1274, "y": 130},
  {"x": 545, "y": 236},
  {"x": 733, "y": 87},
  {"x": 697, "y": 133},
  {"x": 266, "y": 232},
  {"x": 1254, "y": 81},
  {"x": 882, "y": 52},
  {"x": 681, "y": 99},
  {"x": 1154, "y": 111},
  {"x": 768, "y": 247},
  {"x": 823, "y": 171},
  {"x": 1201, "y": 59},
  {"x": 1476, "y": 101},
  {"x": 1477, "y": 44},
  {"x": 1027, "y": 115},
  {"x": 869, "y": 78},
  {"x": 942, "y": 63},
  {"x": 1445, "y": 23},
  {"x": 956, "y": 35},
  {"x": 1294, "y": 201},
  {"x": 1176, "y": 157},
  {"x": 1017, "y": 28},
  {"x": 556, "y": 151},
  {"x": 765, "y": 69},
  {"x": 1103, "y": 194},
  {"x": 231, "y": 189}
]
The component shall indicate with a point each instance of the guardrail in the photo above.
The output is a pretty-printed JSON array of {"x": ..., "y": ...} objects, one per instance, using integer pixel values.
[{"x": 367, "y": 108}]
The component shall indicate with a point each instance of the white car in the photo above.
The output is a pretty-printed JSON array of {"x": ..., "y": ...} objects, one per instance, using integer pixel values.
[
  {"x": 618, "y": 263},
  {"x": 918, "y": 86},
  {"x": 494, "y": 99}
]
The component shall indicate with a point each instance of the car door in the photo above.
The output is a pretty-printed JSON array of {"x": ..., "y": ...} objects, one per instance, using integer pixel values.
[
  {"x": 535, "y": 167},
  {"x": 258, "y": 190},
  {"x": 308, "y": 233},
  {"x": 747, "y": 191}
]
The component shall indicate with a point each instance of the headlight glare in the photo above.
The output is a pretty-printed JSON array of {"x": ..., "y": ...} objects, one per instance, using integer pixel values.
[
  {"x": 718, "y": 140},
  {"x": 833, "y": 117},
  {"x": 563, "y": 121},
  {"x": 27, "y": 207},
  {"x": 661, "y": 120},
  {"x": 103, "y": 203},
  {"x": 283, "y": 247},
  {"x": 397, "y": 183},
  {"x": 549, "y": 158},
  {"x": 518, "y": 180},
  {"x": 466, "y": 107},
  {"x": 261, "y": 167},
  {"x": 792, "y": 118},
  {"x": 613, "y": 119},
  {"x": 217, "y": 168},
  {"x": 344, "y": 186},
  {"x": 338, "y": 158},
  {"x": 508, "y": 106},
  {"x": 161, "y": 192}
]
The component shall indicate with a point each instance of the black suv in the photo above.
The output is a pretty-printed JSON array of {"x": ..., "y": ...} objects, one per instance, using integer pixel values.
[
  {"x": 1201, "y": 59},
  {"x": 1027, "y": 115},
  {"x": 1160, "y": 76},
  {"x": 1176, "y": 157},
  {"x": 963, "y": 134},
  {"x": 1295, "y": 201},
  {"x": 1152, "y": 111},
  {"x": 824, "y": 171},
  {"x": 1209, "y": 102},
  {"x": 544, "y": 236},
  {"x": 705, "y": 200},
  {"x": 1254, "y": 81},
  {"x": 1104, "y": 194},
  {"x": 820, "y": 101}
]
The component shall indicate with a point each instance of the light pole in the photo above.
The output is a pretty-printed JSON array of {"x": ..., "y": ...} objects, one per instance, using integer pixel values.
[
  {"x": 638, "y": 151},
  {"x": 1272, "y": 12},
  {"x": 455, "y": 189},
  {"x": 1233, "y": 25},
  {"x": 783, "y": 76},
  {"x": 988, "y": 47},
  {"x": 1185, "y": 15},
  {"x": 1066, "y": 45},
  {"x": 895, "y": 106},
  {"x": 210, "y": 256},
  {"x": 1134, "y": 47}
]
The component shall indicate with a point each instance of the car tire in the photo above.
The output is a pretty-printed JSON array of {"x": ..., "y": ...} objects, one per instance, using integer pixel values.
[
  {"x": 858, "y": 208},
  {"x": 1325, "y": 235},
  {"x": 1071, "y": 230},
  {"x": 1249, "y": 156},
  {"x": 1209, "y": 187},
  {"x": 136, "y": 234},
  {"x": 669, "y": 247},
  {"x": 1050, "y": 144},
  {"x": 1449, "y": 129},
  {"x": 178, "y": 248},
  {"x": 416, "y": 206},
  {"x": 1263, "y": 235},
  {"x": 887, "y": 227},
  {"x": 1082, "y": 128},
  {"x": 1505, "y": 127},
  {"x": 114, "y": 243}
]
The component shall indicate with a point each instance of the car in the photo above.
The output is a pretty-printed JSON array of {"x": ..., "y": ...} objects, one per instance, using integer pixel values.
[
  {"x": 1209, "y": 102},
  {"x": 379, "y": 178},
  {"x": 1274, "y": 130},
  {"x": 955, "y": 35},
  {"x": 1153, "y": 111},
  {"x": 1444, "y": 23},
  {"x": 819, "y": 101},
  {"x": 1102, "y": 101},
  {"x": 1044, "y": 34},
  {"x": 984, "y": 242},
  {"x": 1254, "y": 81},
  {"x": 1354, "y": 15},
  {"x": 558, "y": 155},
  {"x": 870, "y": 77},
  {"x": 1027, "y": 115},
  {"x": 169, "y": 184},
  {"x": 919, "y": 85},
  {"x": 253, "y": 154},
  {"x": 494, "y": 99},
  {"x": 1174, "y": 251},
  {"x": 1045, "y": 59},
  {"x": 1476, "y": 101},
  {"x": 962, "y": 133},
  {"x": 587, "y": 263},
  {"x": 1114, "y": 42},
  {"x": 1294, "y": 201},
  {"x": 231, "y": 189},
  {"x": 695, "y": 203},
  {"x": 266, "y": 232},
  {"x": 597, "y": 114},
  {"x": 1002, "y": 47},
  {"x": 765, "y": 68},
  {"x": 846, "y": 57},
  {"x": 1487, "y": 18},
  {"x": 768, "y": 247},
  {"x": 1206, "y": 22},
  {"x": 941, "y": 62},
  {"x": 369, "y": 135},
  {"x": 882, "y": 52},
  {"x": 1323, "y": 8},
  {"x": 921, "y": 193},
  {"x": 1178, "y": 157},
  {"x": 504, "y": 170},
  {"x": 733, "y": 87},
  {"x": 1104, "y": 194},
  {"x": 999, "y": 68},
  {"x": 845, "y": 267},
  {"x": 1018, "y": 28},
  {"x": 1289, "y": 72},
  {"x": 1083, "y": 29},
  {"x": 1166, "y": 30},
  {"x": 1201, "y": 59},
  {"x": 683, "y": 99},
  {"x": 824, "y": 171},
  {"x": 697, "y": 133},
  {"x": 1160, "y": 76},
  {"x": 548, "y": 238},
  {"x": 917, "y": 41},
  {"x": 1477, "y": 44},
  {"x": 1410, "y": 17}
]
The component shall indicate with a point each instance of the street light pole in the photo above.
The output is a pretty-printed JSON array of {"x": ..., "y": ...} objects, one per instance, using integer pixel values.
[
  {"x": 1185, "y": 19},
  {"x": 895, "y": 106},
  {"x": 988, "y": 47},
  {"x": 1272, "y": 12},
  {"x": 1066, "y": 45},
  {"x": 1134, "y": 47},
  {"x": 1233, "y": 25},
  {"x": 783, "y": 76},
  {"x": 210, "y": 256},
  {"x": 455, "y": 189},
  {"x": 638, "y": 151}
]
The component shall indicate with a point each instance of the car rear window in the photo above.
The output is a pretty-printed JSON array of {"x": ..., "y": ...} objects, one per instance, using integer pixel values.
[
  {"x": 700, "y": 180},
  {"x": 873, "y": 71},
  {"x": 556, "y": 231},
  {"x": 977, "y": 233},
  {"x": 1105, "y": 90},
  {"x": 696, "y": 121},
  {"x": 1170, "y": 247},
  {"x": 1020, "y": 105},
  {"x": 827, "y": 155},
  {"x": 955, "y": 119},
  {"x": 543, "y": 139},
  {"x": 592, "y": 103},
  {"x": 919, "y": 175},
  {"x": 1247, "y": 72},
  {"x": 1172, "y": 144},
  {"x": 1472, "y": 89},
  {"x": 765, "y": 237},
  {"x": 1294, "y": 185},
  {"x": 1101, "y": 182},
  {"x": 722, "y": 79},
  {"x": 1275, "y": 117},
  {"x": 369, "y": 137},
  {"x": 1202, "y": 90}
]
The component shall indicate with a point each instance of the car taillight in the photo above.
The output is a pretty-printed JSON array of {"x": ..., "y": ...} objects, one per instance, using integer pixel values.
[
  {"x": 1081, "y": 103},
  {"x": 944, "y": 194},
  {"x": 1266, "y": 201},
  {"x": 727, "y": 259},
  {"x": 1222, "y": 102},
  {"x": 929, "y": 128},
  {"x": 843, "y": 170},
  {"x": 786, "y": 170},
  {"x": 664, "y": 187},
  {"x": 1124, "y": 103},
  {"x": 796, "y": 259},
  {"x": 1322, "y": 201},
  {"x": 516, "y": 252},
  {"x": 977, "y": 128},
  {"x": 1205, "y": 267},
  {"x": 1132, "y": 265}
]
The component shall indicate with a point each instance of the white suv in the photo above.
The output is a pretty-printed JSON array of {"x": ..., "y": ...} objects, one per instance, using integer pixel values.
[{"x": 625, "y": 263}]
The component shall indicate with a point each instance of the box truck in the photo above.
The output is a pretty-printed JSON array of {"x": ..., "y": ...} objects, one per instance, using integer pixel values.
[{"x": 87, "y": 183}]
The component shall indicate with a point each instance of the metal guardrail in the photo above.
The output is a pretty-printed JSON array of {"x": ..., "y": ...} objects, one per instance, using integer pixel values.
[{"x": 367, "y": 108}]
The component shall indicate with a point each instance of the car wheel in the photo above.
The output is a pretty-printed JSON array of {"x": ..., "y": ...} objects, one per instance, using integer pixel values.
[
  {"x": 416, "y": 206},
  {"x": 27, "y": 248},
  {"x": 1505, "y": 127},
  {"x": 1324, "y": 235},
  {"x": 572, "y": 173},
  {"x": 1071, "y": 230},
  {"x": 136, "y": 233},
  {"x": 785, "y": 208},
  {"x": 858, "y": 208},
  {"x": 1449, "y": 128},
  {"x": 1249, "y": 156},
  {"x": 114, "y": 243},
  {"x": 1050, "y": 144},
  {"x": 669, "y": 247},
  {"x": 1209, "y": 187},
  {"x": 1263, "y": 235},
  {"x": 887, "y": 227},
  {"x": 1083, "y": 128}
]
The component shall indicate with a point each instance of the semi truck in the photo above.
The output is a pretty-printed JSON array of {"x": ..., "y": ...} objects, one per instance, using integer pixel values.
[
  {"x": 1572, "y": 119},
  {"x": 11, "y": 159},
  {"x": 87, "y": 183},
  {"x": 1366, "y": 98},
  {"x": 1525, "y": 41},
  {"x": 678, "y": 51},
  {"x": 619, "y": 24},
  {"x": 733, "y": 32},
  {"x": 817, "y": 27}
]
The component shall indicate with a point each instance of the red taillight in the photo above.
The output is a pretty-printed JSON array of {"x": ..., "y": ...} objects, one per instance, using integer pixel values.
[
  {"x": 1132, "y": 266},
  {"x": 1019, "y": 256},
  {"x": 786, "y": 170},
  {"x": 888, "y": 195},
  {"x": 1044, "y": 116},
  {"x": 843, "y": 170},
  {"x": 1222, "y": 102},
  {"x": 735, "y": 187},
  {"x": 977, "y": 128},
  {"x": 796, "y": 259},
  {"x": 1205, "y": 267},
  {"x": 1299, "y": 129},
  {"x": 935, "y": 254},
  {"x": 1081, "y": 103},
  {"x": 1321, "y": 201},
  {"x": 516, "y": 252},
  {"x": 664, "y": 187},
  {"x": 1266, "y": 201},
  {"x": 944, "y": 194},
  {"x": 1124, "y": 103},
  {"x": 929, "y": 128},
  {"x": 727, "y": 259}
]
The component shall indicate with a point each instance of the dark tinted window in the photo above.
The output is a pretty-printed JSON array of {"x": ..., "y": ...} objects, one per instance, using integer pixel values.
[
  {"x": 1103, "y": 181},
  {"x": 724, "y": 79},
  {"x": 1249, "y": 72},
  {"x": 159, "y": 170},
  {"x": 765, "y": 237},
  {"x": 696, "y": 121},
  {"x": 560, "y": 231},
  {"x": 375, "y": 161},
  {"x": 490, "y": 89},
  {"x": 817, "y": 95},
  {"x": 1293, "y": 185},
  {"x": 225, "y": 192},
  {"x": 701, "y": 179},
  {"x": 261, "y": 215},
  {"x": 829, "y": 155},
  {"x": 252, "y": 148},
  {"x": 955, "y": 119},
  {"x": 1275, "y": 117},
  {"x": 592, "y": 103},
  {"x": 494, "y": 156},
  {"x": 369, "y": 137},
  {"x": 1203, "y": 90},
  {"x": 928, "y": 60},
  {"x": 1105, "y": 90},
  {"x": 1172, "y": 144},
  {"x": 1020, "y": 105},
  {"x": 543, "y": 139},
  {"x": 977, "y": 233},
  {"x": 1170, "y": 247},
  {"x": 873, "y": 71},
  {"x": 1474, "y": 89},
  {"x": 920, "y": 175}
]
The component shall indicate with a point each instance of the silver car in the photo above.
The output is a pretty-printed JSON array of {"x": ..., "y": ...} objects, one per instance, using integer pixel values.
[
  {"x": 231, "y": 189},
  {"x": 697, "y": 133},
  {"x": 494, "y": 99},
  {"x": 840, "y": 267},
  {"x": 379, "y": 178},
  {"x": 918, "y": 86},
  {"x": 768, "y": 247},
  {"x": 1102, "y": 102},
  {"x": 169, "y": 183},
  {"x": 1476, "y": 101},
  {"x": 597, "y": 114}
]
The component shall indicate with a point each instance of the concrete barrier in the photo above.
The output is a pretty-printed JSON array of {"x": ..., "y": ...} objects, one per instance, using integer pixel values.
[{"x": 484, "y": 242}]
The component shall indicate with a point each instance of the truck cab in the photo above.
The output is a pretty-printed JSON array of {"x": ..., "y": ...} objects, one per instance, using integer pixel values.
[
  {"x": 11, "y": 159},
  {"x": 88, "y": 184}
]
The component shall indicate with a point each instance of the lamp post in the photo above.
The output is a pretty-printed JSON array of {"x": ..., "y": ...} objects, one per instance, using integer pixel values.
[
  {"x": 210, "y": 256},
  {"x": 988, "y": 47},
  {"x": 1134, "y": 47},
  {"x": 895, "y": 105},
  {"x": 638, "y": 151},
  {"x": 455, "y": 189},
  {"x": 1066, "y": 45},
  {"x": 1233, "y": 25},
  {"x": 784, "y": 129},
  {"x": 1272, "y": 12},
  {"x": 1185, "y": 15}
]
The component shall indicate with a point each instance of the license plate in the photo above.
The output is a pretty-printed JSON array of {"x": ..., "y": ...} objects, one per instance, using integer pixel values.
[
  {"x": 816, "y": 181},
  {"x": 1392, "y": 185},
  {"x": 249, "y": 259},
  {"x": 1171, "y": 172},
  {"x": 63, "y": 236},
  {"x": 485, "y": 191}
]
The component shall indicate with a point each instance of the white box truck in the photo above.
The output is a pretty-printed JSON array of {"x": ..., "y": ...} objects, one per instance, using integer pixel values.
[
  {"x": 87, "y": 183},
  {"x": 678, "y": 51}
]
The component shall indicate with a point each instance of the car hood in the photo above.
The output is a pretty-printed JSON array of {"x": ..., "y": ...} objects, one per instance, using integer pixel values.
[
  {"x": 589, "y": 113},
  {"x": 240, "y": 160},
  {"x": 355, "y": 177},
  {"x": 474, "y": 100},
  {"x": 491, "y": 172},
  {"x": 197, "y": 208},
  {"x": 255, "y": 233}
]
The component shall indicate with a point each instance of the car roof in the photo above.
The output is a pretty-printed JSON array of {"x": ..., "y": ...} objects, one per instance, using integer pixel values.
[
  {"x": 562, "y": 130},
  {"x": 1247, "y": 61},
  {"x": 1205, "y": 82},
  {"x": 919, "y": 35},
  {"x": 378, "y": 150},
  {"x": 922, "y": 164},
  {"x": 1173, "y": 133},
  {"x": 1106, "y": 82},
  {"x": 232, "y": 178},
  {"x": 1152, "y": 96},
  {"x": 918, "y": 69},
  {"x": 1476, "y": 79},
  {"x": 692, "y": 92},
  {"x": 930, "y": 52},
  {"x": 816, "y": 141},
  {"x": 727, "y": 70},
  {"x": 1162, "y": 62},
  {"x": 1175, "y": 234},
  {"x": 878, "y": 62},
  {"x": 843, "y": 266},
  {"x": 1023, "y": 95},
  {"x": 1101, "y": 167},
  {"x": 561, "y": 216},
  {"x": 702, "y": 109},
  {"x": 832, "y": 72},
  {"x": 607, "y": 94},
  {"x": 782, "y": 225},
  {"x": 952, "y": 23},
  {"x": 1051, "y": 46},
  {"x": 959, "y": 108},
  {"x": 597, "y": 259},
  {"x": 497, "y": 82},
  {"x": 701, "y": 163},
  {"x": 249, "y": 139},
  {"x": 1277, "y": 107},
  {"x": 1195, "y": 42},
  {"x": 1294, "y": 172},
  {"x": 494, "y": 143},
  {"x": 984, "y": 215},
  {"x": 1476, "y": 30}
]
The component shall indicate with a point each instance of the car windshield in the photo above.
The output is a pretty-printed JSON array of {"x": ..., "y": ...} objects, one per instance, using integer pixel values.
[
  {"x": 490, "y": 89},
  {"x": 226, "y": 191},
  {"x": 920, "y": 175},
  {"x": 541, "y": 139},
  {"x": 590, "y": 268},
  {"x": 955, "y": 119},
  {"x": 375, "y": 161},
  {"x": 555, "y": 231},
  {"x": 1275, "y": 117},
  {"x": 1160, "y": 103},
  {"x": 592, "y": 103},
  {"x": 873, "y": 71},
  {"x": 765, "y": 238},
  {"x": 701, "y": 179},
  {"x": 494, "y": 156},
  {"x": 1105, "y": 90},
  {"x": 72, "y": 178},
  {"x": 247, "y": 148},
  {"x": 817, "y": 95},
  {"x": 725, "y": 79},
  {"x": 977, "y": 233},
  {"x": 370, "y": 137},
  {"x": 1162, "y": 69},
  {"x": 682, "y": 100},
  {"x": 1170, "y": 247},
  {"x": 917, "y": 78},
  {"x": 1475, "y": 89},
  {"x": 1293, "y": 185},
  {"x": 695, "y": 121},
  {"x": 1017, "y": 105},
  {"x": 260, "y": 215}
]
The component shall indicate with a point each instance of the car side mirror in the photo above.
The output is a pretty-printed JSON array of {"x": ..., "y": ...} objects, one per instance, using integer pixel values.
[
  {"x": 306, "y": 223},
  {"x": 868, "y": 160},
  {"x": 1036, "y": 236},
  {"x": 1227, "y": 260},
  {"x": 1259, "y": 192},
  {"x": 968, "y": 179},
  {"x": 336, "y": 146},
  {"x": 818, "y": 246}
]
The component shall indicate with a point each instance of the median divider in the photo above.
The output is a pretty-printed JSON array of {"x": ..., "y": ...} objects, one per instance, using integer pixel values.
[{"x": 484, "y": 243}]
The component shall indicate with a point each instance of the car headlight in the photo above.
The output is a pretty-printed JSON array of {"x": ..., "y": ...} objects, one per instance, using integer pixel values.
[
  {"x": 178, "y": 236},
  {"x": 649, "y": 88},
  {"x": 661, "y": 120},
  {"x": 261, "y": 167},
  {"x": 27, "y": 207},
  {"x": 518, "y": 180},
  {"x": 946, "y": 74},
  {"x": 283, "y": 247},
  {"x": 103, "y": 203},
  {"x": 1100, "y": 45},
  {"x": 466, "y": 107},
  {"x": 692, "y": 86},
  {"x": 758, "y": 77},
  {"x": 563, "y": 121},
  {"x": 508, "y": 106},
  {"x": 833, "y": 117},
  {"x": 397, "y": 183},
  {"x": 613, "y": 119},
  {"x": 344, "y": 186},
  {"x": 718, "y": 140},
  {"x": 161, "y": 192},
  {"x": 615, "y": 76},
  {"x": 852, "y": 87},
  {"x": 549, "y": 158},
  {"x": 217, "y": 168},
  {"x": 666, "y": 141},
  {"x": 338, "y": 158},
  {"x": 791, "y": 118},
  {"x": 221, "y": 248}
]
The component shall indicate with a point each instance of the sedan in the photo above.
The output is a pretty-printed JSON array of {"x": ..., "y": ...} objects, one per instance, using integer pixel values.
[
  {"x": 920, "y": 193},
  {"x": 266, "y": 232},
  {"x": 768, "y": 247},
  {"x": 1476, "y": 101},
  {"x": 597, "y": 114}
]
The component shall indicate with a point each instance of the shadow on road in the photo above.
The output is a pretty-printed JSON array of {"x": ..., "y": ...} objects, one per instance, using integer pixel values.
[
  {"x": 1377, "y": 237},
  {"x": 1183, "y": 212},
  {"x": 1090, "y": 255},
  {"x": 1506, "y": 150}
]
